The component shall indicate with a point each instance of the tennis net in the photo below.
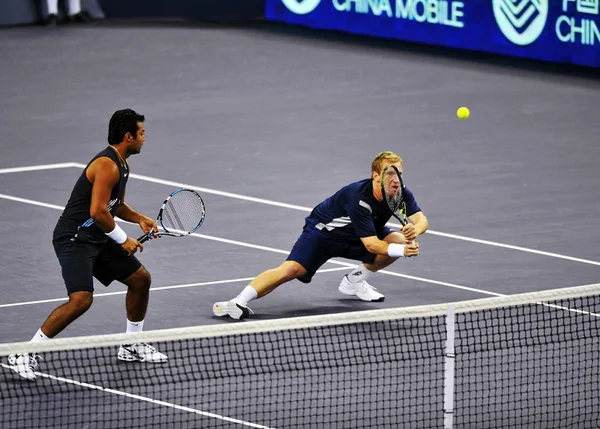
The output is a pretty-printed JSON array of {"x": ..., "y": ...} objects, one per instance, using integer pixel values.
[{"x": 528, "y": 360}]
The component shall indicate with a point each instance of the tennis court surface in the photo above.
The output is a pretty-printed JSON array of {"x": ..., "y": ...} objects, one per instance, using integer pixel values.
[{"x": 494, "y": 325}]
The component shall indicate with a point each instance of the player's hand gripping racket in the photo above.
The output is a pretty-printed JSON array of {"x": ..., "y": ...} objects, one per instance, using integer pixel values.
[
  {"x": 392, "y": 188},
  {"x": 182, "y": 213}
]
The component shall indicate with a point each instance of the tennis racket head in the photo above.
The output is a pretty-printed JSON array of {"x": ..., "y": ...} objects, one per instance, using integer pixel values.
[
  {"x": 181, "y": 214},
  {"x": 392, "y": 187}
]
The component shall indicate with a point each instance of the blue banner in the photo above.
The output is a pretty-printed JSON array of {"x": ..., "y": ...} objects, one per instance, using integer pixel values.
[{"x": 560, "y": 31}]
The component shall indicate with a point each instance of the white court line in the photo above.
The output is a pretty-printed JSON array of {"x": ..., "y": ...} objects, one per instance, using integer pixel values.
[
  {"x": 346, "y": 264},
  {"x": 273, "y": 203},
  {"x": 300, "y": 208},
  {"x": 285, "y": 252},
  {"x": 572, "y": 310},
  {"x": 32, "y": 202},
  {"x": 153, "y": 289},
  {"x": 308, "y": 209},
  {"x": 269, "y": 249},
  {"x": 144, "y": 398},
  {"x": 509, "y": 246},
  {"x": 39, "y": 167},
  {"x": 209, "y": 191}
]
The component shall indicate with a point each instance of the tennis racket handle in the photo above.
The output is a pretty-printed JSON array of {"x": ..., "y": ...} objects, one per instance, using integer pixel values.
[
  {"x": 402, "y": 221},
  {"x": 147, "y": 237},
  {"x": 143, "y": 238}
]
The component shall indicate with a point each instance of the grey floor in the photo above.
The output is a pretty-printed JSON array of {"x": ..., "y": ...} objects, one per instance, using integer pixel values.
[{"x": 289, "y": 117}]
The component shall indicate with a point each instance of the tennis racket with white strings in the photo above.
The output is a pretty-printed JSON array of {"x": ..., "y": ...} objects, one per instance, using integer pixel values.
[
  {"x": 392, "y": 187},
  {"x": 181, "y": 214}
]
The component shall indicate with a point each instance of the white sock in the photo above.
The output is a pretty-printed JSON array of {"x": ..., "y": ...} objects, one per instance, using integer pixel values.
[
  {"x": 134, "y": 327},
  {"x": 359, "y": 274},
  {"x": 39, "y": 336},
  {"x": 247, "y": 295},
  {"x": 52, "y": 7},
  {"x": 74, "y": 7}
]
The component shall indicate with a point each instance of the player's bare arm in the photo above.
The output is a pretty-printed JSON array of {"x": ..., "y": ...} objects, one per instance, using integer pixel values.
[
  {"x": 417, "y": 226},
  {"x": 103, "y": 173},
  {"x": 127, "y": 213},
  {"x": 380, "y": 247}
]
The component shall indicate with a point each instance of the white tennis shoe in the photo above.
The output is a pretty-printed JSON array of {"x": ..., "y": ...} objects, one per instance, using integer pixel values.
[
  {"x": 231, "y": 309},
  {"x": 140, "y": 352},
  {"x": 362, "y": 289},
  {"x": 24, "y": 365}
]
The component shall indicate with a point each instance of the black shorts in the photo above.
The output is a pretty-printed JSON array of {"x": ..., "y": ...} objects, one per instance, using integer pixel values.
[
  {"x": 82, "y": 261},
  {"x": 313, "y": 248}
]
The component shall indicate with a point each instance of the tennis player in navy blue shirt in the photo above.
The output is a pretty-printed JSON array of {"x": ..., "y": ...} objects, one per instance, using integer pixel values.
[{"x": 349, "y": 224}]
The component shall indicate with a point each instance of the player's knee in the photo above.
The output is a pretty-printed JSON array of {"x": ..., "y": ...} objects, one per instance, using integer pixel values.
[
  {"x": 394, "y": 237},
  {"x": 145, "y": 278},
  {"x": 141, "y": 279},
  {"x": 81, "y": 301},
  {"x": 291, "y": 270}
]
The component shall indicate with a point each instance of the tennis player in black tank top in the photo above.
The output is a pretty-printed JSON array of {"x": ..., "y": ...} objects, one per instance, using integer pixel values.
[
  {"x": 88, "y": 243},
  {"x": 76, "y": 221}
]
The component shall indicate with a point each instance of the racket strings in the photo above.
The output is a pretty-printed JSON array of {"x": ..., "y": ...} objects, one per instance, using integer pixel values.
[
  {"x": 183, "y": 212},
  {"x": 172, "y": 221},
  {"x": 392, "y": 189},
  {"x": 394, "y": 202}
]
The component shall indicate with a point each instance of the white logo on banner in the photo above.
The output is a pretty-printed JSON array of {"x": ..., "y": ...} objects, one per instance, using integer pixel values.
[
  {"x": 521, "y": 21},
  {"x": 301, "y": 7}
]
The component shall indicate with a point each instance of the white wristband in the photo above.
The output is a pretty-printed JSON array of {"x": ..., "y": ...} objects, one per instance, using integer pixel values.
[
  {"x": 396, "y": 250},
  {"x": 118, "y": 235}
]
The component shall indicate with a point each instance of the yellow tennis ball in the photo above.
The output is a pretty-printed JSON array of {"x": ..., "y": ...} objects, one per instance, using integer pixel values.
[{"x": 463, "y": 113}]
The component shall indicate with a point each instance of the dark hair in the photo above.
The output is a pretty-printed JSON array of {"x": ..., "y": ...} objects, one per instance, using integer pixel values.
[{"x": 123, "y": 122}]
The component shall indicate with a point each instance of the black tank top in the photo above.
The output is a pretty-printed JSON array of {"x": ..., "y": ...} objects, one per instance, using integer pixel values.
[{"x": 75, "y": 221}]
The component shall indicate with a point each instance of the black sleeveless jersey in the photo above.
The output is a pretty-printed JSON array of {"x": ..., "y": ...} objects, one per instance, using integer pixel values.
[{"x": 75, "y": 221}]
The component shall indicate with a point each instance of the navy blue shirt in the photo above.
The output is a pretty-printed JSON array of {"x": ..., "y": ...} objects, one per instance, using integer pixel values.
[{"x": 353, "y": 212}]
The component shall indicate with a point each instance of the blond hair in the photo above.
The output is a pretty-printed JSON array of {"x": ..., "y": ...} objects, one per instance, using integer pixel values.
[{"x": 383, "y": 158}]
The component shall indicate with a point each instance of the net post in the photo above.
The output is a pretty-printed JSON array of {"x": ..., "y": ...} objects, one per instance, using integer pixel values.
[{"x": 449, "y": 371}]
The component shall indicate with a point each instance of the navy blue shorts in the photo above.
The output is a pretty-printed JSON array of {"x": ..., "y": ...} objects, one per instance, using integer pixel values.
[
  {"x": 81, "y": 261},
  {"x": 313, "y": 249}
]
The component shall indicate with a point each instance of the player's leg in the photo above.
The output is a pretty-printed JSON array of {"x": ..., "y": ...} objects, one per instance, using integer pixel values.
[
  {"x": 269, "y": 280},
  {"x": 263, "y": 284},
  {"x": 51, "y": 19},
  {"x": 77, "y": 14},
  {"x": 59, "y": 319},
  {"x": 77, "y": 265},
  {"x": 65, "y": 314},
  {"x": 307, "y": 255},
  {"x": 115, "y": 264},
  {"x": 74, "y": 7},
  {"x": 138, "y": 295},
  {"x": 77, "y": 262},
  {"x": 136, "y": 303},
  {"x": 355, "y": 283}
]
